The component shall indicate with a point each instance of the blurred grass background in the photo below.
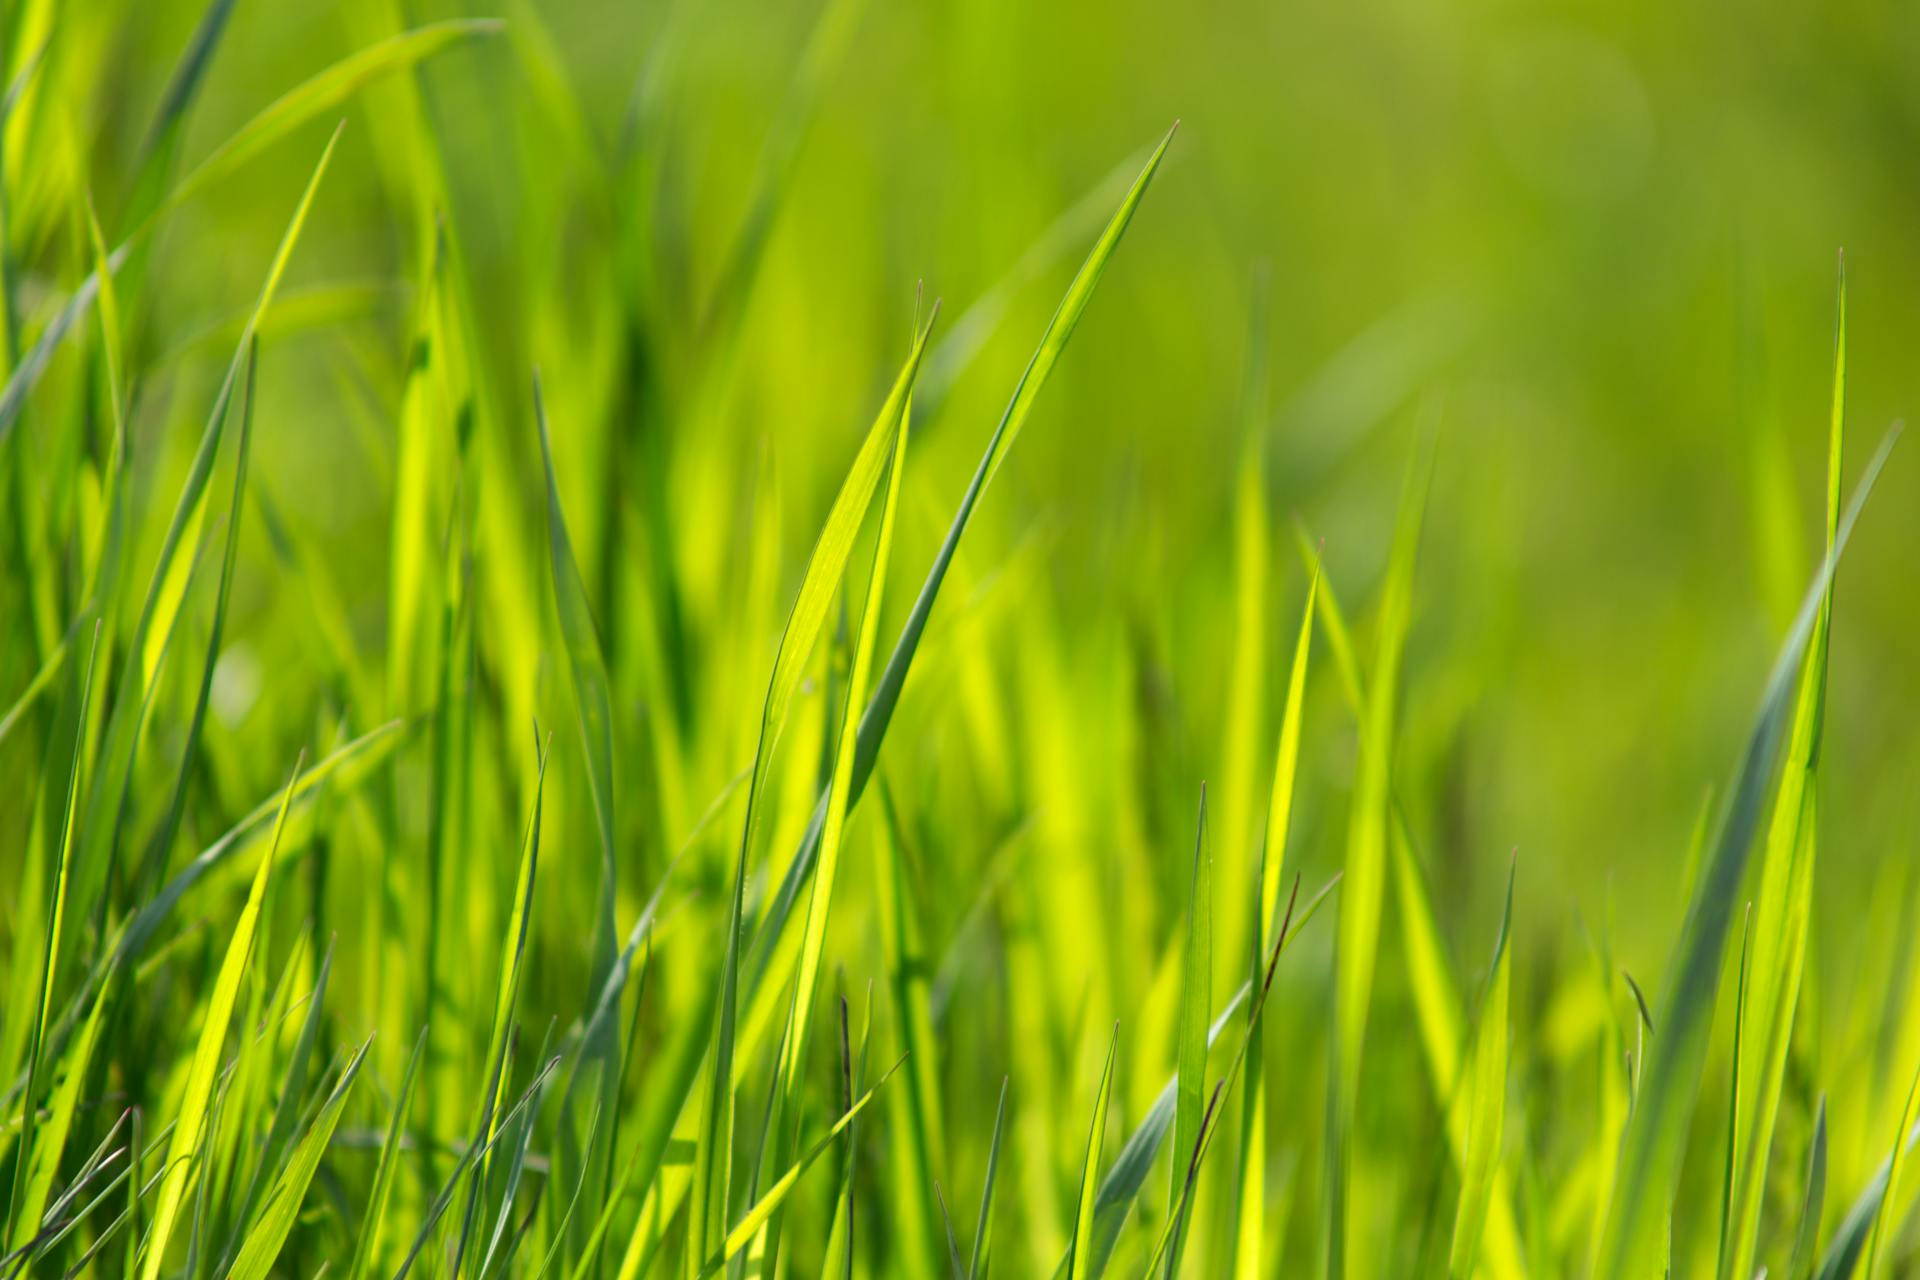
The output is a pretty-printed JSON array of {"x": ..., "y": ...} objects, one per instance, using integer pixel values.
[{"x": 1593, "y": 245}]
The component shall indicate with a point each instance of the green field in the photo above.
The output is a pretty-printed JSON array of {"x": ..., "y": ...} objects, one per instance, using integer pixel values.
[{"x": 938, "y": 639}]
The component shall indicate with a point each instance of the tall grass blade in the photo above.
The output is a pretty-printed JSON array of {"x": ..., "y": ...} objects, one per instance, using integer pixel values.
[
  {"x": 1195, "y": 1000},
  {"x": 1487, "y": 1104},
  {"x": 1080, "y": 1260},
  {"x": 185, "y": 1153},
  {"x": 1655, "y": 1139}
]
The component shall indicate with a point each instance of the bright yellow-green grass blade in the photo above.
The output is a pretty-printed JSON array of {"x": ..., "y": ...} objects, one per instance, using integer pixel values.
[
  {"x": 1196, "y": 997},
  {"x": 167, "y": 588},
  {"x": 1785, "y": 903},
  {"x": 1487, "y": 1105},
  {"x": 196, "y": 1099},
  {"x": 714, "y": 1139},
  {"x": 776, "y": 1194},
  {"x": 269, "y": 1231},
  {"x": 886, "y": 695},
  {"x": 792, "y": 1076},
  {"x": 1365, "y": 874},
  {"x": 1249, "y": 1245},
  {"x": 1080, "y": 1260},
  {"x": 1655, "y": 1143}
]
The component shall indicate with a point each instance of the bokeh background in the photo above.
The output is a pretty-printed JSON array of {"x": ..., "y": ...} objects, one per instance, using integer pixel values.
[{"x": 1592, "y": 249}]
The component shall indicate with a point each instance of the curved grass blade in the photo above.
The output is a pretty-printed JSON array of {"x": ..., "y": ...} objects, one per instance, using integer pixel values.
[
  {"x": 1654, "y": 1144},
  {"x": 1488, "y": 1107},
  {"x": 269, "y": 1233},
  {"x": 197, "y": 1095}
]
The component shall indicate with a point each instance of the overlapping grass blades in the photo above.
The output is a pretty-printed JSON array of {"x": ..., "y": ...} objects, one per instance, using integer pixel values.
[{"x": 1635, "y": 1235}]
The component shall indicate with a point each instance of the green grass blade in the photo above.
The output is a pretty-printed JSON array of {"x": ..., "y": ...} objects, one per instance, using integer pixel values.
[
  {"x": 1080, "y": 1260},
  {"x": 1195, "y": 1001},
  {"x": 27, "y": 1223},
  {"x": 714, "y": 1141},
  {"x": 157, "y": 852},
  {"x": 1785, "y": 901},
  {"x": 755, "y": 1218},
  {"x": 1886, "y": 1220},
  {"x": 886, "y": 695},
  {"x": 269, "y": 1234},
  {"x": 983, "y": 1232},
  {"x": 507, "y": 997},
  {"x": 1365, "y": 872},
  {"x": 1806, "y": 1238},
  {"x": 1488, "y": 1107},
  {"x": 1128, "y": 1174},
  {"x": 1655, "y": 1139},
  {"x": 791, "y": 1076},
  {"x": 919, "y": 1144},
  {"x": 1250, "y": 1238},
  {"x": 197, "y": 1096},
  {"x": 322, "y": 93},
  {"x": 367, "y": 1242},
  {"x": 167, "y": 588},
  {"x": 474, "y": 1152}
]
